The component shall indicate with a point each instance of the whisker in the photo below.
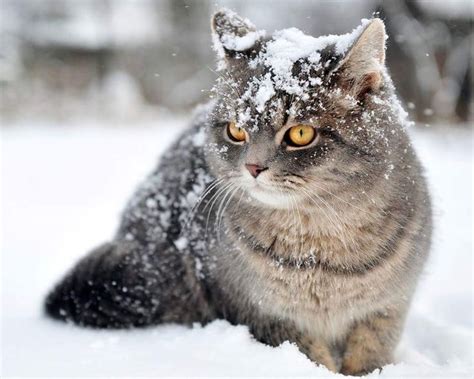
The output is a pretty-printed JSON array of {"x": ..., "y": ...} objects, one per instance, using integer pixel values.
[
  {"x": 212, "y": 202},
  {"x": 201, "y": 198},
  {"x": 220, "y": 213}
]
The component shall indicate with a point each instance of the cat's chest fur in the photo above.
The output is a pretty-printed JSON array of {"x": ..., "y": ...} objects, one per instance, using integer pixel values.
[{"x": 285, "y": 266}]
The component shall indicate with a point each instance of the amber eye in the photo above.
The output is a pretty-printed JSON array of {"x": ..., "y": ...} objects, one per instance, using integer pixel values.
[
  {"x": 235, "y": 133},
  {"x": 300, "y": 135}
]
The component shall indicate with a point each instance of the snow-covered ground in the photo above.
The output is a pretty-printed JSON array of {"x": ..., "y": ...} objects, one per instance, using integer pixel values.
[{"x": 62, "y": 191}]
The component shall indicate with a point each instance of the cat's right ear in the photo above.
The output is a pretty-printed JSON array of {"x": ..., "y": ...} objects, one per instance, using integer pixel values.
[{"x": 234, "y": 37}]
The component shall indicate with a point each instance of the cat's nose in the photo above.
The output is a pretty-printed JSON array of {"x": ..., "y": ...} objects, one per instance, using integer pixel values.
[{"x": 255, "y": 169}]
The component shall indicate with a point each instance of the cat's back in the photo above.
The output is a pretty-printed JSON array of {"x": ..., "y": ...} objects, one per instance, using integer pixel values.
[{"x": 161, "y": 204}]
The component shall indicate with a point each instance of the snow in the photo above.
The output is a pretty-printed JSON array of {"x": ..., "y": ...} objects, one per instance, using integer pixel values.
[
  {"x": 264, "y": 93},
  {"x": 289, "y": 45},
  {"x": 292, "y": 44},
  {"x": 200, "y": 138},
  {"x": 243, "y": 43},
  {"x": 282, "y": 50},
  {"x": 231, "y": 41},
  {"x": 63, "y": 188}
]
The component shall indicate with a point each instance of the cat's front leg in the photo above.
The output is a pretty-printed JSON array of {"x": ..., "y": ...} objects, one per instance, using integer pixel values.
[
  {"x": 275, "y": 333},
  {"x": 371, "y": 343},
  {"x": 318, "y": 351}
]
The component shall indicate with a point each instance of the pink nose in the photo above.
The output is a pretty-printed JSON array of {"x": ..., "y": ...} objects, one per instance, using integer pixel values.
[{"x": 255, "y": 169}]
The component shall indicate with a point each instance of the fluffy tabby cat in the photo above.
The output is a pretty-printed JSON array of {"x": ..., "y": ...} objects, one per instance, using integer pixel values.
[{"x": 295, "y": 204}]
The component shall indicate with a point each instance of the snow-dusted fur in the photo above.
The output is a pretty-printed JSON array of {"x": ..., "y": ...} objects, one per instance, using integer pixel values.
[{"x": 323, "y": 248}]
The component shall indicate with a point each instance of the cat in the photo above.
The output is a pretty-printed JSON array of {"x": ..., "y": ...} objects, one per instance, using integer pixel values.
[{"x": 294, "y": 204}]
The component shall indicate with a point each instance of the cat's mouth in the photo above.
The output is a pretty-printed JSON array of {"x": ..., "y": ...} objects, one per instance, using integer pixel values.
[
  {"x": 267, "y": 192},
  {"x": 270, "y": 197}
]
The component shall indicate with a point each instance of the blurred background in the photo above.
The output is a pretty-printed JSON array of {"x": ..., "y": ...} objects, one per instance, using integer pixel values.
[{"x": 125, "y": 60}]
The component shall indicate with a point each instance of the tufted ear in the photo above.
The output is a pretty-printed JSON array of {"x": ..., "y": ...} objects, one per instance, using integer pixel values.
[
  {"x": 361, "y": 69},
  {"x": 233, "y": 34}
]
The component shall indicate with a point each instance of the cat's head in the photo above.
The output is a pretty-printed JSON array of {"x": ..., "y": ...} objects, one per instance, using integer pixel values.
[{"x": 296, "y": 115}]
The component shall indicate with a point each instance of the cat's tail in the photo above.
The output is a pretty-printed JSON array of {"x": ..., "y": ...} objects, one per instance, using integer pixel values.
[
  {"x": 118, "y": 285},
  {"x": 96, "y": 291}
]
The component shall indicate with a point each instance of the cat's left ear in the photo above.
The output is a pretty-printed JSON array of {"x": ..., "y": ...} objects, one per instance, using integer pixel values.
[
  {"x": 233, "y": 36},
  {"x": 361, "y": 69}
]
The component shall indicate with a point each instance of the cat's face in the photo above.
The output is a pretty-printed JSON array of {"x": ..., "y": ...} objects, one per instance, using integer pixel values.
[{"x": 297, "y": 117}]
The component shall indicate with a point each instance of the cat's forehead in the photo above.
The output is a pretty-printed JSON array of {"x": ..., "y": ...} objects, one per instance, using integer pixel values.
[{"x": 260, "y": 102}]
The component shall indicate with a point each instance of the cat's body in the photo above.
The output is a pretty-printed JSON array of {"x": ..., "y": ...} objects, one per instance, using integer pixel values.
[{"x": 328, "y": 260}]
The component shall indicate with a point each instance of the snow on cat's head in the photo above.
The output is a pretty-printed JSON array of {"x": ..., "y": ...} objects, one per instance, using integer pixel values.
[{"x": 297, "y": 115}]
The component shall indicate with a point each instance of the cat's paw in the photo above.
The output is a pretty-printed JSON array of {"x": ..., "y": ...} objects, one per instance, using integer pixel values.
[
  {"x": 358, "y": 369},
  {"x": 359, "y": 363},
  {"x": 318, "y": 352}
]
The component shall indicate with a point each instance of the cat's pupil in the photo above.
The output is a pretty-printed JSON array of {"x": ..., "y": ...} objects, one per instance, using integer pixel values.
[{"x": 301, "y": 132}]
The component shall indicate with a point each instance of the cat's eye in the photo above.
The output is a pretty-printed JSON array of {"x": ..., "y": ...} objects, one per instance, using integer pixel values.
[
  {"x": 236, "y": 133},
  {"x": 300, "y": 135}
]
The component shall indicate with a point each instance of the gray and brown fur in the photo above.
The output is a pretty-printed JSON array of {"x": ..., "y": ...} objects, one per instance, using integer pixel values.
[{"x": 332, "y": 267}]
